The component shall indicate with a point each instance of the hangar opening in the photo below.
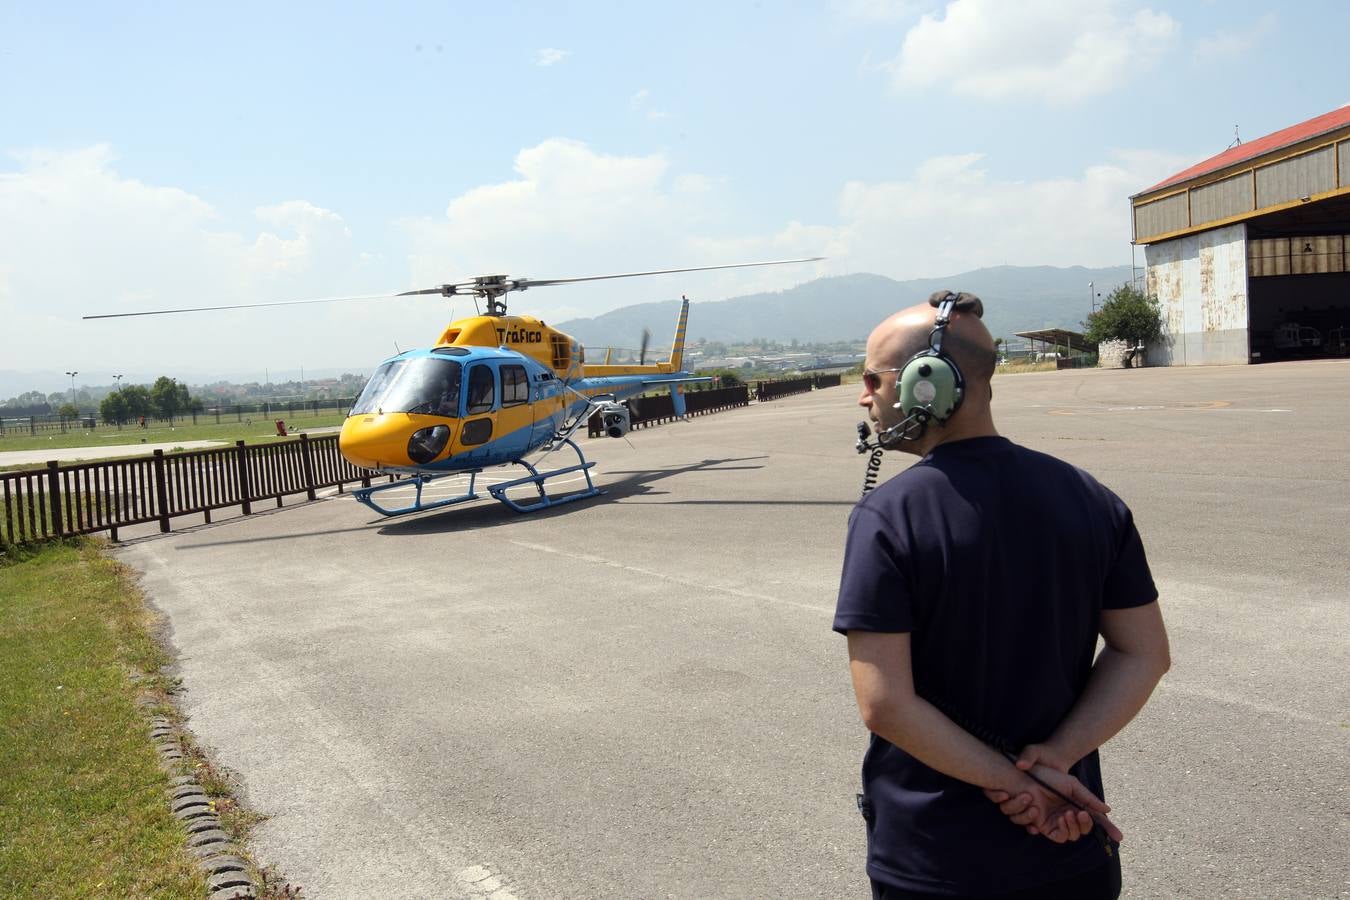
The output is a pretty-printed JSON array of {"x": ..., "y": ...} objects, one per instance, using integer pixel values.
[
  {"x": 1248, "y": 252},
  {"x": 1299, "y": 282}
]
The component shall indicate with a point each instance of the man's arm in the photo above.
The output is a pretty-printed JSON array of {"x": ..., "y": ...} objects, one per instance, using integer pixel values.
[
  {"x": 1134, "y": 659},
  {"x": 883, "y": 683}
]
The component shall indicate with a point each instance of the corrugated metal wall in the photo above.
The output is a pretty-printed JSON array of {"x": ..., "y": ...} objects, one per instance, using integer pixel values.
[
  {"x": 1201, "y": 282},
  {"x": 1230, "y": 197},
  {"x": 1318, "y": 171},
  {"x": 1296, "y": 177},
  {"x": 1161, "y": 216},
  {"x": 1318, "y": 254}
]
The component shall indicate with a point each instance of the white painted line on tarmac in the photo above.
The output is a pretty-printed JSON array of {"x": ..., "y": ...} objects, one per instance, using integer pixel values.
[
  {"x": 479, "y": 881},
  {"x": 673, "y": 579}
]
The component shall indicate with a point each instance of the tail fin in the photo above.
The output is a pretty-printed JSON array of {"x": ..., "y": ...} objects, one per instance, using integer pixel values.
[{"x": 677, "y": 347}]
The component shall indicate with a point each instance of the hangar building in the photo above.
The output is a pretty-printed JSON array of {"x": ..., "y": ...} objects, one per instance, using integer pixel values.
[{"x": 1249, "y": 251}]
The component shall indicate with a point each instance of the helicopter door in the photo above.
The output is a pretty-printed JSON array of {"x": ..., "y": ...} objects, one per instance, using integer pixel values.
[
  {"x": 479, "y": 400},
  {"x": 515, "y": 422}
]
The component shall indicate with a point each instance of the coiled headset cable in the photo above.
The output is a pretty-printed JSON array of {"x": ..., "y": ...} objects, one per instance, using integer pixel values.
[{"x": 873, "y": 473}]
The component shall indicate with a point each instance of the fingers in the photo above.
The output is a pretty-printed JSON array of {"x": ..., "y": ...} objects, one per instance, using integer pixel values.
[
  {"x": 1062, "y": 829},
  {"x": 1086, "y": 799},
  {"x": 1016, "y": 805},
  {"x": 1109, "y": 827}
]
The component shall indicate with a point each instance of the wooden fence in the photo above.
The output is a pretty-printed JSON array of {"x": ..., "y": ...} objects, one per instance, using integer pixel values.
[
  {"x": 84, "y": 498},
  {"x": 658, "y": 408}
]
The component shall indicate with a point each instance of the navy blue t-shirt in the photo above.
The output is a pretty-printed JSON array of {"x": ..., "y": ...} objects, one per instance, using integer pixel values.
[{"x": 997, "y": 560}]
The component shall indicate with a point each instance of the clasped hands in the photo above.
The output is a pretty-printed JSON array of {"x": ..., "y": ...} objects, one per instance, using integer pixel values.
[{"x": 1053, "y": 803}]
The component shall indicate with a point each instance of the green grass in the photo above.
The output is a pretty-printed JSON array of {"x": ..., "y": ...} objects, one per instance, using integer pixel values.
[
  {"x": 83, "y": 803},
  {"x": 162, "y": 433}
]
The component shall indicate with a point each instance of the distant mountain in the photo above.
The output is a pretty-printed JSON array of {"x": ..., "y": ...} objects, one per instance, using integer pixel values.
[{"x": 848, "y": 307}]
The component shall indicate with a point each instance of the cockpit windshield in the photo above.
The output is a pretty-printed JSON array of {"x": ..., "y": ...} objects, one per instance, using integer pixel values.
[{"x": 426, "y": 385}]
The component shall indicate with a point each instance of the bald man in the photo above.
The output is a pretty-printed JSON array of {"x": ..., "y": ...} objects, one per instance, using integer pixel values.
[{"x": 975, "y": 585}]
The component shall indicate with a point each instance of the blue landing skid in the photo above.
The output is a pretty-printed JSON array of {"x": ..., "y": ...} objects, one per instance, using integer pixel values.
[
  {"x": 537, "y": 479},
  {"x": 418, "y": 481},
  {"x": 498, "y": 491}
]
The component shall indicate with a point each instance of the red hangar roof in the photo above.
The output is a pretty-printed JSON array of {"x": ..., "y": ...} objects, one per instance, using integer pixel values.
[
  {"x": 1242, "y": 152},
  {"x": 1304, "y": 167}
]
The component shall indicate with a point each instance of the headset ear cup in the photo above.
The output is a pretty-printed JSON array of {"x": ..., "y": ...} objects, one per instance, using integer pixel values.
[{"x": 930, "y": 383}]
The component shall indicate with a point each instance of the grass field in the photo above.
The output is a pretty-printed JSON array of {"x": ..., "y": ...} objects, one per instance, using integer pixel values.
[
  {"x": 83, "y": 808},
  {"x": 252, "y": 429}
]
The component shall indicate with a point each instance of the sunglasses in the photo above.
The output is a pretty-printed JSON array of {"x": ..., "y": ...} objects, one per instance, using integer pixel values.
[{"x": 872, "y": 378}]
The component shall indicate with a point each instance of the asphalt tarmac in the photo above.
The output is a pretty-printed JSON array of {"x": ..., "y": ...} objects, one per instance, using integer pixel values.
[{"x": 639, "y": 695}]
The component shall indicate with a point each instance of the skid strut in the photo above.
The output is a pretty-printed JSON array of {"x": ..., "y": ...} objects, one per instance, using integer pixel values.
[
  {"x": 498, "y": 491},
  {"x": 538, "y": 478},
  {"x": 366, "y": 495}
]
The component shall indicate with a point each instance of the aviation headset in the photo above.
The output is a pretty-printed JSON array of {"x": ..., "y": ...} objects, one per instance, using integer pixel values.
[{"x": 930, "y": 386}]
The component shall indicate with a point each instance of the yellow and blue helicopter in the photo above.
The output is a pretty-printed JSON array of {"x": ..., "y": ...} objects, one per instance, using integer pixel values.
[{"x": 493, "y": 390}]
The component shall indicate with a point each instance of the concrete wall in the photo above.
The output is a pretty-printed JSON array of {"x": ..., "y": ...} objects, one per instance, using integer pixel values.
[{"x": 1201, "y": 282}]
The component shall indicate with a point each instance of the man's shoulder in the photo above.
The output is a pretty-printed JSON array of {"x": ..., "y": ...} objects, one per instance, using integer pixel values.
[{"x": 1053, "y": 466}]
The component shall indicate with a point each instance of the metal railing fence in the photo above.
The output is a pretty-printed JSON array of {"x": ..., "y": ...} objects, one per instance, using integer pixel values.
[{"x": 84, "y": 498}]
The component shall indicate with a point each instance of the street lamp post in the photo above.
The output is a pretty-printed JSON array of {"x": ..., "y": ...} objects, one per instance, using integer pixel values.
[
  {"x": 118, "y": 379},
  {"x": 1092, "y": 295},
  {"x": 72, "y": 385}
]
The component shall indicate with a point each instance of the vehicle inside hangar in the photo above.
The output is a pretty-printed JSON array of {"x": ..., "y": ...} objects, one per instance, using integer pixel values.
[{"x": 1298, "y": 288}]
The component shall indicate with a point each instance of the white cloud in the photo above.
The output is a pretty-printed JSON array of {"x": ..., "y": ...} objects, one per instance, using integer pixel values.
[
  {"x": 570, "y": 212},
  {"x": 550, "y": 55},
  {"x": 81, "y": 239},
  {"x": 1227, "y": 45},
  {"x": 1032, "y": 49},
  {"x": 951, "y": 216}
]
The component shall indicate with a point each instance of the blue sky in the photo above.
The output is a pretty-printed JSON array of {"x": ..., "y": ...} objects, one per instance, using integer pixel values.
[{"x": 155, "y": 155}]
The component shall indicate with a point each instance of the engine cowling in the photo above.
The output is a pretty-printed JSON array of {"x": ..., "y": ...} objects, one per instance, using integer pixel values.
[{"x": 614, "y": 419}]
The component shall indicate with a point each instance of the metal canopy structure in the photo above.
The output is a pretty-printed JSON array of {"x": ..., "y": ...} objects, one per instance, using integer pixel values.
[{"x": 1073, "y": 341}]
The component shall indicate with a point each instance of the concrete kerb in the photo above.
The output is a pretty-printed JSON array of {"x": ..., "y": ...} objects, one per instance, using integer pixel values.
[{"x": 228, "y": 873}]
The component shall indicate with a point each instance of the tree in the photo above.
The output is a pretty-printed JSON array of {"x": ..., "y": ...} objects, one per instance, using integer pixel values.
[
  {"x": 168, "y": 397},
  {"x": 137, "y": 399},
  {"x": 68, "y": 411},
  {"x": 113, "y": 409},
  {"x": 725, "y": 377},
  {"x": 1128, "y": 315}
]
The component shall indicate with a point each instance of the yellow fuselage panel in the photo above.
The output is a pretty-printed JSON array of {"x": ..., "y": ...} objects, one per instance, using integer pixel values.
[
  {"x": 381, "y": 439},
  {"x": 605, "y": 371},
  {"x": 524, "y": 334}
]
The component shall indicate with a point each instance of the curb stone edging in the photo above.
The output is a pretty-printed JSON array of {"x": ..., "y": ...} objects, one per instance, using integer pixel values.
[{"x": 226, "y": 872}]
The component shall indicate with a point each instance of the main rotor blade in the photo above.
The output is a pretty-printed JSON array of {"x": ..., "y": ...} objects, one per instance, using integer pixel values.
[
  {"x": 531, "y": 282},
  {"x": 188, "y": 309}
]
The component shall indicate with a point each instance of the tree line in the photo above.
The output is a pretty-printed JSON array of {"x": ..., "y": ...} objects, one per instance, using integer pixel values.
[{"x": 165, "y": 399}]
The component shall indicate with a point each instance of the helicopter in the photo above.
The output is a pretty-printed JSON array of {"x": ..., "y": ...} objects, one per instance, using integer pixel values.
[{"x": 492, "y": 390}]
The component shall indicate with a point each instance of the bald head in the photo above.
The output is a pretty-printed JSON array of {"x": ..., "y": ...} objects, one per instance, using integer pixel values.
[{"x": 965, "y": 340}]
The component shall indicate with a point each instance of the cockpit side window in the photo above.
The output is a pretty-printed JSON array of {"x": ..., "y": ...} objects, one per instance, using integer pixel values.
[
  {"x": 482, "y": 386},
  {"x": 515, "y": 386}
]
